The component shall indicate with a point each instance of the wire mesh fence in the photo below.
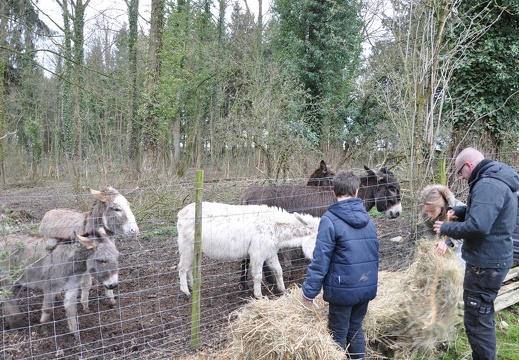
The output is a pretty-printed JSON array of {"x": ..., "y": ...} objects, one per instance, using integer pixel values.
[{"x": 151, "y": 316}]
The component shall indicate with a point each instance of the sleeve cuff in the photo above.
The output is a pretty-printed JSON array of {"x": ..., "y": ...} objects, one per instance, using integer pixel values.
[{"x": 307, "y": 298}]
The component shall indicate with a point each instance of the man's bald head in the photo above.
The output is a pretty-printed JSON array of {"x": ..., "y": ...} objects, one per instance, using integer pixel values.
[{"x": 469, "y": 155}]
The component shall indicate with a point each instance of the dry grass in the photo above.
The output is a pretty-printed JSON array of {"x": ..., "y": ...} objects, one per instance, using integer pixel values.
[
  {"x": 284, "y": 329},
  {"x": 416, "y": 311},
  {"x": 279, "y": 329}
]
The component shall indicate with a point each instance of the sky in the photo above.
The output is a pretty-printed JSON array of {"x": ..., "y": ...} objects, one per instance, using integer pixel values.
[
  {"x": 116, "y": 11},
  {"x": 108, "y": 15}
]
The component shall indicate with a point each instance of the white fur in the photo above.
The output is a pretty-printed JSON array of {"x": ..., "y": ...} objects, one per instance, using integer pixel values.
[
  {"x": 130, "y": 226},
  {"x": 233, "y": 232}
]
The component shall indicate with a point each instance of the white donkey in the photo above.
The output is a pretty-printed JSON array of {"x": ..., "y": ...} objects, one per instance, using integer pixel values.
[{"x": 233, "y": 232}]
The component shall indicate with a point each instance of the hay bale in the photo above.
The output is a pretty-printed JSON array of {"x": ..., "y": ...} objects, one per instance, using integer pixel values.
[
  {"x": 417, "y": 310},
  {"x": 385, "y": 313},
  {"x": 414, "y": 312},
  {"x": 283, "y": 328}
]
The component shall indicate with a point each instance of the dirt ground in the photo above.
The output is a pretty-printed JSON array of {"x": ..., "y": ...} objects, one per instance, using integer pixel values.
[{"x": 152, "y": 317}]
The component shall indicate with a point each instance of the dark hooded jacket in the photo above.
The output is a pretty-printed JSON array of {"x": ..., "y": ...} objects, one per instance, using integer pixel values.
[
  {"x": 488, "y": 220},
  {"x": 345, "y": 258}
]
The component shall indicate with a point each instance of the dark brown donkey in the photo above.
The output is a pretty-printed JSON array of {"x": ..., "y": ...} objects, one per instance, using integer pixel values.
[{"x": 378, "y": 188}]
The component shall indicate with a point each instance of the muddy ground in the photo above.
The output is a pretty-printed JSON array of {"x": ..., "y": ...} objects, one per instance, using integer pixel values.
[{"x": 151, "y": 314}]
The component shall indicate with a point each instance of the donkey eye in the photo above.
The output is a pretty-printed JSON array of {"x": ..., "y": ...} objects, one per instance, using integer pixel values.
[
  {"x": 102, "y": 261},
  {"x": 117, "y": 209}
]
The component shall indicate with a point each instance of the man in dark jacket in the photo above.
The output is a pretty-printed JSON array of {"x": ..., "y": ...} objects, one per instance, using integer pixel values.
[
  {"x": 486, "y": 223},
  {"x": 345, "y": 264}
]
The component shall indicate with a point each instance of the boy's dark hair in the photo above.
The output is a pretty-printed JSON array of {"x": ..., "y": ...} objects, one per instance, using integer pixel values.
[{"x": 345, "y": 183}]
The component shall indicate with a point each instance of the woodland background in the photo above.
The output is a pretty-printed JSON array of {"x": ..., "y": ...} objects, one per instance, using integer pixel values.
[{"x": 210, "y": 85}]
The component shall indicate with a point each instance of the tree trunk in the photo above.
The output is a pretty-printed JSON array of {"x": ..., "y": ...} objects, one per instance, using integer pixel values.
[
  {"x": 3, "y": 66},
  {"x": 3, "y": 63},
  {"x": 134, "y": 125},
  {"x": 79, "y": 77},
  {"x": 150, "y": 124}
]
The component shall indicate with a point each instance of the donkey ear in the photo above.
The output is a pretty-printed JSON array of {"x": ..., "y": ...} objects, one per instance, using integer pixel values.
[
  {"x": 98, "y": 194},
  {"x": 101, "y": 230},
  {"x": 109, "y": 187},
  {"x": 387, "y": 169},
  {"x": 85, "y": 241},
  {"x": 298, "y": 217},
  {"x": 322, "y": 165},
  {"x": 370, "y": 172}
]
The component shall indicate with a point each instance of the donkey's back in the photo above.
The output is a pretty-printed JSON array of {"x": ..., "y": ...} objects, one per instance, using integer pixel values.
[
  {"x": 63, "y": 223},
  {"x": 312, "y": 200}
]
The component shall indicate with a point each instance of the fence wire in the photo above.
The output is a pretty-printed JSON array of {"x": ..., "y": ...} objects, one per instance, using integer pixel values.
[{"x": 151, "y": 316}]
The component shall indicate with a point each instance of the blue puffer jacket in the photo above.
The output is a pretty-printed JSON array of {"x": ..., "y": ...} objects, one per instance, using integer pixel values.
[
  {"x": 488, "y": 220},
  {"x": 345, "y": 258}
]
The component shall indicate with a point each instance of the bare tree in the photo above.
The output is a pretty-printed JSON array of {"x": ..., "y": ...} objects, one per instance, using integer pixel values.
[{"x": 412, "y": 70}]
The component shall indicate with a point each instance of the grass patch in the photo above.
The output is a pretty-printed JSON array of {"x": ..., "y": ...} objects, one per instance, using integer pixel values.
[
  {"x": 164, "y": 231},
  {"x": 374, "y": 214},
  {"x": 507, "y": 332},
  {"x": 507, "y": 328}
]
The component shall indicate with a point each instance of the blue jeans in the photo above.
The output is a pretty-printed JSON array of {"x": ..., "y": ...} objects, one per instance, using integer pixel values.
[
  {"x": 345, "y": 323},
  {"x": 480, "y": 289}
]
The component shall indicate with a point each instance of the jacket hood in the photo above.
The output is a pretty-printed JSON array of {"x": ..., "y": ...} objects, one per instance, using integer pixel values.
[
  {"x": 443, "y": 190},
  {"x": 351, "y": 211},
  {"x": 496, "y": 170}
]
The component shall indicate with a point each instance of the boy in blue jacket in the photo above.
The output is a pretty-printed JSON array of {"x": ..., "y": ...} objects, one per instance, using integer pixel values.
[{"x": 345, "y": 264}]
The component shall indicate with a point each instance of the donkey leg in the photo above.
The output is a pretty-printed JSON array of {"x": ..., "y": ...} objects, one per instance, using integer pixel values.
[
  {"x": 184, "y": 269},
  {"x": 256, "y": 272},
  {"x": 110, "y": 295},
  {"x": 269, "y": 276},
  {"x": 11, "y": 309},
  {"x": 86, "y": 284},
  {"x": 71, "y": 311},
  {"x": 275, "y": 266},
  {"x": 48, "y": 304},
  {"x": 13, "y": 314}
]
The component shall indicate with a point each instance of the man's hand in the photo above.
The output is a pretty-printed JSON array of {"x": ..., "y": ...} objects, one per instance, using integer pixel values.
[
  {"x": 437, "y": 227},
  {"x": 451, "y": 215}
]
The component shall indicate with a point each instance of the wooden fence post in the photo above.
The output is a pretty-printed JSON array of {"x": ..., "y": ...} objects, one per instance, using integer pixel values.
[{"x": 197, "y": 274}]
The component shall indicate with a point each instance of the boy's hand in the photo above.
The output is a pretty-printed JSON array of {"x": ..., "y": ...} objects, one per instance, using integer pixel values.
[{"x": 307, "y": 302}]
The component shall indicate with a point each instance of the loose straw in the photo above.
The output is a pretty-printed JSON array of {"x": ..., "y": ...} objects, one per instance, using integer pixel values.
[{"x": 432, "y": 299}]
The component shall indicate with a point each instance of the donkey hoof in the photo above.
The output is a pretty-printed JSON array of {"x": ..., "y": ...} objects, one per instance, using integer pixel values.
[{"x": 16, "y": 322}]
